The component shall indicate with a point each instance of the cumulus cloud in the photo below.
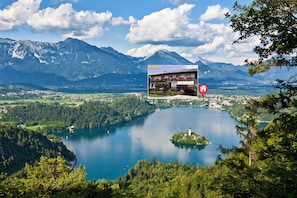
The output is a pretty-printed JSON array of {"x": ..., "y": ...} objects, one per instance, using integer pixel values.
[
  {"x": 121, "y": 21},
  {"x": 211, "y": 47},
  {"x": 82, "y": 24},
  {"x": 219, "y": 35},
  {"x": 167, "y": 26},
  {"x": 147, "y": 50},
  {"x": 63, "y": 19},
  {"x": 17, "y": 13},
  {"x": 214, "y": 12},
  {"x": 218, "y": 46},
  {"x": 171, "y": 29}
]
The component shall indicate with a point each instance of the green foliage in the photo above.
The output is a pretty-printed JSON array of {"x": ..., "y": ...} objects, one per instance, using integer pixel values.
[
  {"x": 240, "y": 113},
  {"x": 156, "y": 179},
  {"x": 279, "y": 144},
  {"x": 51, "y": 177},
  {"x": 130, "y": 107},
  {"x": 19, "y": 146},
  {"x": 88, "y": 115},
  {"x": 275, "y": 23},
  {"x": 273, "y": 171},
  {"x": 272, "y": 150},
  {"x": 158, "y": 85},
  {"x": 184, "y": 138}
]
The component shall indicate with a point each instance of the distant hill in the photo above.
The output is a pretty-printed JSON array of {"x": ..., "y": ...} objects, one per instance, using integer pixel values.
[
  {"x": 10, "y": 75},
  {"x": 75, "y": 65},
  {"x": 16, "y": 87}
]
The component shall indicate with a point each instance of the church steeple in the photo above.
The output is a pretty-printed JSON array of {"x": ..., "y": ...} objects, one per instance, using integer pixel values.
[{"x": 190, "y": 132}]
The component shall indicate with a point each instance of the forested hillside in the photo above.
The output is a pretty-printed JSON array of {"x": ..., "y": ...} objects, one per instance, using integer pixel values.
[
  {"x": 19, "y": 147},
  {"x": 56, "y": 117},
  {"x": 51, "y": 177},
  {"x": 240, "y": 113}
]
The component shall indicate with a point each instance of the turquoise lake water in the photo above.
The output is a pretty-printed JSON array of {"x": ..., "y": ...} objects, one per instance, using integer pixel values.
[{"x": 109, "y": 152}]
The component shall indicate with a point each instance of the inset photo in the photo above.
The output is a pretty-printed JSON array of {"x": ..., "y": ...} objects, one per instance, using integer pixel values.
[{"x": 172, "y": 81}]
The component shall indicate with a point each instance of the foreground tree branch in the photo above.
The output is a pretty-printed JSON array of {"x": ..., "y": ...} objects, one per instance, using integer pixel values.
[{"x": 275, "y": 23}]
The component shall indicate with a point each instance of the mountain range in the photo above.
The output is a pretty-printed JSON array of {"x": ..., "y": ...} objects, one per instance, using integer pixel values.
[{"x": 73, "y": 64}]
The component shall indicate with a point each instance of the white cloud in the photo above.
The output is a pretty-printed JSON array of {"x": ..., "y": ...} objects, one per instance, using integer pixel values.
[
  {"x": 219, "y": 35},
  {"x": 220, "y": 48},
  {"x": 17, "y": 13},
  {"x": 168, "y": 26},
  {"x": 172, "y": 30},
  {"x": 211, "y": 47},
  {"x": 120, "y": 21},
  {"x": 82, "y": 24},
  {"x": 147, "y": 50},
  {"x": 212, "y": 41},
  {"x": 63, "y": 19},
  {"x": 214, "y": 12},
  {"x": 172, "y": 27}
]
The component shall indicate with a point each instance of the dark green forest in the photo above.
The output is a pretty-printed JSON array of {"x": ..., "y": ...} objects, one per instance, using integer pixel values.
[
  {"x": 51, "y": 177},
  {"x": 19, "y": 147},
  {"x": 57, "y": 117}
]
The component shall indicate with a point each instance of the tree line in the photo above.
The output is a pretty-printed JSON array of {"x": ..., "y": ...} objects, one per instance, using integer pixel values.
[
  {"x": 51, "y": 177},
  {"x": 87, "y": 115}
]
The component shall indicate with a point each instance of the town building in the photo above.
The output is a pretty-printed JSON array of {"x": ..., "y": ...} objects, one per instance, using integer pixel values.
[{"x": 178, "y": 80}]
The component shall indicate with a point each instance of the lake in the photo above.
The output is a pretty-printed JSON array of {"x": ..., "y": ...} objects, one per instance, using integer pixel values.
[{"x": 109, "y": 152}]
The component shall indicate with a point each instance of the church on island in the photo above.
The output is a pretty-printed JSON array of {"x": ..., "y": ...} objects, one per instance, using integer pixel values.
[
  {"x": 189, "y": 138},
  {"x": 190, "y": 132}
]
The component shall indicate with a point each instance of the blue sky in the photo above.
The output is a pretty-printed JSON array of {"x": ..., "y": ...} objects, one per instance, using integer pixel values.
[{"x": 192, "y": 28}]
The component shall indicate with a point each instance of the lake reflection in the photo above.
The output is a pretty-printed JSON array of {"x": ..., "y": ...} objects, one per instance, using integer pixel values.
[{"x": 109, "y": 152}]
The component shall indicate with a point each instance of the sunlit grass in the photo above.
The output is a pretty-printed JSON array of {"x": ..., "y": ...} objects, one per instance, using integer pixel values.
[
  {"x": 73, "y": 99},
  {"x": 36, "y": 127}
]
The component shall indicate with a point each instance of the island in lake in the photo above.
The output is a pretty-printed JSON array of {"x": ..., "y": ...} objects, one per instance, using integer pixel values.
[{"x": 189, "y": 139}]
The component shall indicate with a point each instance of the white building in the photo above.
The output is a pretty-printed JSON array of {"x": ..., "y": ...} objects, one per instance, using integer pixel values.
[{"x": 190, "y": 132}]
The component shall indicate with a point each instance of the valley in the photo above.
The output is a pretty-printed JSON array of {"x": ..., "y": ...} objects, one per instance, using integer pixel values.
[
  {"x": 73, "y": 65},
  {"x": 20, "y": 96}
]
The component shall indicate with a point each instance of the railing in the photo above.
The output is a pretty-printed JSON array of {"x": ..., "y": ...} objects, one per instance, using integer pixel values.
[{"x": 171, "y": 79}]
